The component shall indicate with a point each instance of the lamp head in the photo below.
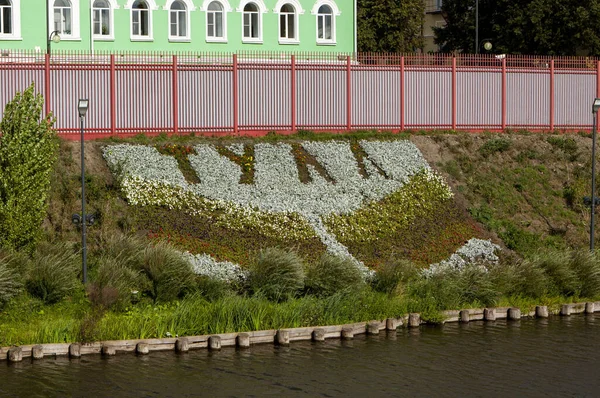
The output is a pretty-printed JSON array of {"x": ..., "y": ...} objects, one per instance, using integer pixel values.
[
  {"x": 55, "y": 37},
  {"x": 487, "y": 45},
  {"x": 596, "y": 105},
  {"x": 82, "y": 107}
]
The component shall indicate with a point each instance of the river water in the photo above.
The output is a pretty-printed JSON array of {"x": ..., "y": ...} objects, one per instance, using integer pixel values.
[{"x": 557, "y": 357}]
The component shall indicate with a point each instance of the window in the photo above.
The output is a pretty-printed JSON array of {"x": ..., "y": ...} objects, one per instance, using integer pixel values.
[
  {"x": 140, "y": 20},
  {"x": 178, "y": 21},
  {"x": 251, "y": 21},
  {"x": 287, "y": 24},
  {"x": 102, "y": 19},
  {"x": 6, "y": 15},
  {"x": 325, "y": 11},
  {"x": 63, "y": 23},
  {"x": 215, "y": 21}
]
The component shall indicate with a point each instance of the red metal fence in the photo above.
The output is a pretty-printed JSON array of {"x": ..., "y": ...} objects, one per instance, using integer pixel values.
[{"x": 254, "y": 93}]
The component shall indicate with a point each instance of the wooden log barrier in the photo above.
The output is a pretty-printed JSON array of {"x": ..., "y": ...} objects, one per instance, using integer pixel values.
[
  {"x": 15, "y": 354},
  {"x": 414, "y": 320},
  {"x": 75, "y": 350},
  {"x": 282, "y": 337},
  {"x": 243, "y": 340},
  {"x": 109, "y": 350},
  {"x": 37, "y": 351},
  {"x": 565, "y": 310},
  {"x": 541, "y": 311},
  {"x": 589, "y": 308},
  {"x": 318, "y": 334},
  {"x": 464, "y": 316},
  {"x": 514, "y": 313},
  {"x": 214, "y": 342},
  {"x": 489, "y": 314},
  {"x": 347, "y": 333},
  {"x": 182, "y": 345},
  {"x": 373, "y": 328},
  {"x": 142, "y": 349}
]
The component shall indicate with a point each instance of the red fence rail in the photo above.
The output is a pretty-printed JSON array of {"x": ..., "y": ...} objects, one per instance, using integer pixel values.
[{"x": 253, "y": 93}]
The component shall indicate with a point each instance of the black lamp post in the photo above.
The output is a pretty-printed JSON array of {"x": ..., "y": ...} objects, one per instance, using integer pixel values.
[
  {"x": 53, "y": 36},
  {"x": 82, "y": 107},
  {"x": 595, "y": 107}
]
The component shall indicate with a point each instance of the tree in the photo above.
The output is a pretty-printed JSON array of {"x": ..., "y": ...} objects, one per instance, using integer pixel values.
[
  {"x": 546, "y": 27},
  {"x": 28, "y": 149},
  {"x": 390, "y": 25}
]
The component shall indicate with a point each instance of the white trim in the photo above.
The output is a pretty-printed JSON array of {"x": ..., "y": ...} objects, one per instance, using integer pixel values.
[
  {"x": 261, "y": 10},
  {"x": 330, "y": 3},
  {"x": 226, "y": 8},
  {"x": 151, "y": 7},
  {"x": 189, "y": 7},
  {"x": 224, "y": 3},
  {"x": 75, "y": 21},
  {"x": 295, "y": 3},
  {"x": 112, "y": 5},
  {"x": 15, "y": 21},
  {"x": 188, "y": 3}
]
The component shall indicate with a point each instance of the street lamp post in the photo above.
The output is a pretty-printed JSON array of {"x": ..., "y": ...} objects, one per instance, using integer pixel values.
[
  {"x": 82, "y": 107},
  {"x": 595, "y": 107},
  {"x": 476, "y": 26},
  {"x": 54, "y": 36}
]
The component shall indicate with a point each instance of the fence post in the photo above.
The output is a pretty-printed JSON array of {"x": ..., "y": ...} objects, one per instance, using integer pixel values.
[
  {"x": 551, "y": 95},
  {"x": 454, "y": 96},
  {"x": 47, "y": 82},
  {"x": 348, "y": 94},
  {"x": 175, "y": 97},
  {"x": 293, "y": 89},
  {"x": 235, "y": 94},
  {"x": 503, "y": 93},
  {"x": 113, "y": 97},
  {"x": 402, "y": 92}
]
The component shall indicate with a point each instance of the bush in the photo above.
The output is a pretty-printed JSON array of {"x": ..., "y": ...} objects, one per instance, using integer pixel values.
[
  {"x": 212, "y": 289},
  {"x": 392, "y": 276},
  {"x": 114, "y": 283},
  {"x": 521, "y": 278},
  {"x": 170, "y": 274},
  {"x": 28, "y": 149},
  {"x": 276, "y": 274},
  {"x": 494, "y": 145},
  {"x": 53, "y": 273},
  {"x": 556, "y": 265},
  {"x": 586, "y": 267},
  {"x": 332, "y": 274},
  {"x": 10, "y": 284}
]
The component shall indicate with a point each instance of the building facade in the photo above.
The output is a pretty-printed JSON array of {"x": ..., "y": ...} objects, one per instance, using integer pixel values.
[
  {"x": 178, "y": 25},
  {"x": 433, "y": 18}
]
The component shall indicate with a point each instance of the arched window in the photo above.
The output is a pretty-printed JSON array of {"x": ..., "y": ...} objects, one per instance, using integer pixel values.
[
  {"x": 63, "y": 17},
  {"x": 102, "y": 19},
  {"x": 140, "y": 20},
  {"x": 6, "y": 18},
  {"x": 251, "y": 23},
  {"x": 178, "y": 28},
  {"x": 325, "y": 24},
  {"x": 287, "y": 23},
  {"x": 215, "y": 21}
]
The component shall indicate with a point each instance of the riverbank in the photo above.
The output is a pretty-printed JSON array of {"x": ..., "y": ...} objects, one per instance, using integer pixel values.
[{"x": 282, "y": 337}]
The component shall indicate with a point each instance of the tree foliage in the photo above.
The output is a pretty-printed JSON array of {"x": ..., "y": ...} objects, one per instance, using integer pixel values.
[
  {"x": 390, "y": 25},
  {"x": 28, "y": 149},
  {"x": 545, "y": 27}
]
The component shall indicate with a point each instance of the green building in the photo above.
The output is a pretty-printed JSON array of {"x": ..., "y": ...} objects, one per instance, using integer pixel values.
[{"x": 178, "y": 25}]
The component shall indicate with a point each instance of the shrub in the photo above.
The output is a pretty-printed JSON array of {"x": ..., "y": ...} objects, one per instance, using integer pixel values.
[
  {"x": 28, "y": 148},
  {"x": 53, "y": 273},
  {"x": 10, "y": 285},
  {"x": 587, "y": 268},
  {"x": 114, "y": 283},
  {"x": 494, "y": 145},
  {"x": 392, "y": 276},
  {"x": 276, "y": 274},
  {"x": 170, "y": 274},
  {"x": 556, "y": 265},
  {"x": 520, "y": 278},
  {"x": 332, "y": 274},
  {"x": 212, "y": 289}
]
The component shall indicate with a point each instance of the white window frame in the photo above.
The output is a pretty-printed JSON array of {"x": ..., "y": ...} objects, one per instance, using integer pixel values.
[
  {"x": 261, "y": 10},
  {"x": 297, "y": 11},
  {"x": 112, "y": 6},
  {"x": 189, "y": 7},
  {"x": 226, "y": 9},
  {"x": 15, "y": 20},
  {"x": 75, "y": 21},
  {"x": 335, "y": 13},
  {"x": 151, "y": 7}
]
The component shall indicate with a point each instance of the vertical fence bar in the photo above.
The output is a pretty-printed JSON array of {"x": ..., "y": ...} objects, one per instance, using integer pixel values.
[
  {"x": 175, "y": 97},
  {"x": 348, "y": 94},
  {"x": 551, "y": 94},
  {"x": 47, "y": 82},
  {"x": 503, "y": 93},
  {"x": 293, "y": 92},
  {"x": 235, "y": 94},
  {"x": 113, "y": 97},
  {"x": 454, "y": 94},
  {"x": 402, "y": 92},
  {"x": 598, "y": 80}
]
